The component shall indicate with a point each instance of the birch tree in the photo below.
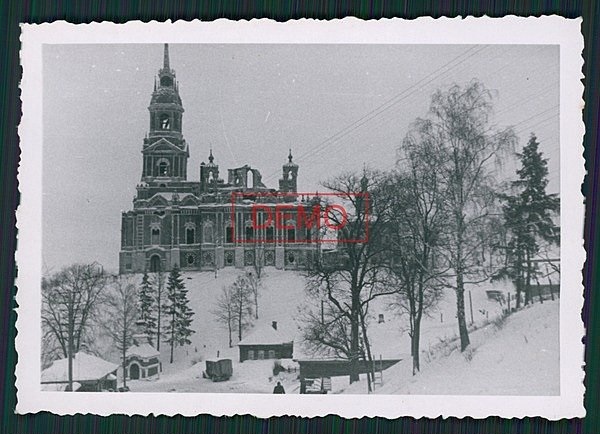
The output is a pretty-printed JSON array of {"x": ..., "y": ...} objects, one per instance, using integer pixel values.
[
  {"x": 241, "y": 299},
  {"x": 225, "y": 313},
  {"x": 468, "y": 148}
]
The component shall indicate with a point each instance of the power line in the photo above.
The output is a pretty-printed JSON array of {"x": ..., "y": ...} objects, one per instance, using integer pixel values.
[{"x": 386, "y": 105}]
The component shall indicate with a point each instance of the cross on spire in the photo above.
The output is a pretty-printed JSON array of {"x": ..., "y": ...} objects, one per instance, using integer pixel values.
[{"x": 166, "y": 58}]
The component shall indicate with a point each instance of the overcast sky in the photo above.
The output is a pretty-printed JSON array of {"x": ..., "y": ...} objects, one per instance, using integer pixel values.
[{"x": 337, "y": 106}]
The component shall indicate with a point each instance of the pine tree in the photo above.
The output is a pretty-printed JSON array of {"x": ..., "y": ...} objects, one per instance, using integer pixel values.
[
  {"x": 147, "y": 299},
  {"x": 178, "y": 329},
  {"x": 528, "y": 215}
]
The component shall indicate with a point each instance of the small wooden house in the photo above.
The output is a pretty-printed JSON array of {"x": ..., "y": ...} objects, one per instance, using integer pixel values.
[
  {"x": 266, "y": 342},
  {"x": 90, "y": 374}
]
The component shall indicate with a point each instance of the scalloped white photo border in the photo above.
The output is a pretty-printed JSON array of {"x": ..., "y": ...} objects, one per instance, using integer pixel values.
[{"x": 470, "y": 30}]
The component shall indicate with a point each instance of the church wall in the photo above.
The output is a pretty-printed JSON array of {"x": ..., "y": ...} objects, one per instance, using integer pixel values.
[{"x": 167, "y": 202}]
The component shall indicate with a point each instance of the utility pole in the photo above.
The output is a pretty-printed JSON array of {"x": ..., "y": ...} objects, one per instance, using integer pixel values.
[{"x": 471, "y": 306}]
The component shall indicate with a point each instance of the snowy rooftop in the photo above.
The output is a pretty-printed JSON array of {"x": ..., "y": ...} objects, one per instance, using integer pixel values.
[
  {"x": 85, "y": 368},
  {"x": 145, "y": 351},
  {"x": 267, "y": 335}
]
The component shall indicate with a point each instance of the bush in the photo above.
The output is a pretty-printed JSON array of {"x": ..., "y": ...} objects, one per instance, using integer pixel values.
[
  {"x": 277, "y": 368},
  {"x": 500, "y": 321},
  {"x": 469, "y": 353}
]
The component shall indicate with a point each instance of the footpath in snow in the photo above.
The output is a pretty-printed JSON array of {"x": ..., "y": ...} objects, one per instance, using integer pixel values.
[{"x": 517, "y": 357}]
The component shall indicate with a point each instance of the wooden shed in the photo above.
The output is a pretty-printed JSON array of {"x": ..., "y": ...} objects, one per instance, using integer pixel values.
[{"x": 266, "y": 342}]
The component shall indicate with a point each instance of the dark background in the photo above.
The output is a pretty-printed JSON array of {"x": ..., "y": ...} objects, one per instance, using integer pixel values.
[{"x": 12, "y": 12}]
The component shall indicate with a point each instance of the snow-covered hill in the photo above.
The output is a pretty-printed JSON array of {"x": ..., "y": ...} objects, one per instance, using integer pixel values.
[
  {"x": 519, "y": 356},
  {"x": 282, "y": 295}
]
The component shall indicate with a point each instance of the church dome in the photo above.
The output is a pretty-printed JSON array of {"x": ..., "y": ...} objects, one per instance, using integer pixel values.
[{"x": 290, "y": 162}]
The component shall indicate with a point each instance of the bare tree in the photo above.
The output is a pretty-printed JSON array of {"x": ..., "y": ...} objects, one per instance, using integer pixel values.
[
  {"x": 326, "y": 332},
  {"x": 69, "y": 298},
  {"x": 458, "y": 131},
  {"x": 241, "y": 298},
  {"x": 253, "y": 278},
  {"x": 120, "y": 302},
  {"x": 415, "y": 221},
  {"x": 224, "y": 312},
  {"x": 354, "y": 276}
]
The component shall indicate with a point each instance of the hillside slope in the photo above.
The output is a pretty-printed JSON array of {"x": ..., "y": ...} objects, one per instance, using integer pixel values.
[{"x": 517, "y": 357}]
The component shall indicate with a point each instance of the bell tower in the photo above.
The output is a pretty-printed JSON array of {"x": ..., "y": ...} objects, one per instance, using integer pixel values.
[
  {"x": 289, "y": 180},
  {"x": 165, "y": 152}
]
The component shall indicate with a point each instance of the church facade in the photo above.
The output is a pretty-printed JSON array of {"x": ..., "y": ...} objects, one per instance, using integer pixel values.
[{"x": 206, "y": 224}]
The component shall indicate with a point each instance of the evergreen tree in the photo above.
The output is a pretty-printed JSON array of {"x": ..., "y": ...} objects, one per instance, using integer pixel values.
[
  {"x": 147, "y": 299},
  {"x": 178, "y": 312},
  {"x": 528, "y": 215}
]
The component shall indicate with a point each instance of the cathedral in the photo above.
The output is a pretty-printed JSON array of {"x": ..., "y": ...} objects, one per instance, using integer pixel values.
[{"x": 207, "y": 224}]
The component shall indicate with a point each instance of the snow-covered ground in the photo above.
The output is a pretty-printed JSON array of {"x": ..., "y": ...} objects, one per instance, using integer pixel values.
[
  {"x": 283, "y": 294},
  {"x": 516, "y": 357}
]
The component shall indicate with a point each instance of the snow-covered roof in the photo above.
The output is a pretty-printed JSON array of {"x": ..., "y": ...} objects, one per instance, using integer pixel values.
[
  {"x": 266, "y": 335},
  {"x": 85, "y": 368},
  {"x": 145, "y": 351}
]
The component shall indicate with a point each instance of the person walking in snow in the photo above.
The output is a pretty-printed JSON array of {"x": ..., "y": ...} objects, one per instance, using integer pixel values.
[{"x": 279, "y": 388}]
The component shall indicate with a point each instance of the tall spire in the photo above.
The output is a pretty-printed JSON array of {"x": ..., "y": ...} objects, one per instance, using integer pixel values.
[{"x": 166, "y": 58}]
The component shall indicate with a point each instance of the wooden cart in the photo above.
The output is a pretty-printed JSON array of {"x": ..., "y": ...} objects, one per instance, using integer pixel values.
[{"x": 218, "y": 370}]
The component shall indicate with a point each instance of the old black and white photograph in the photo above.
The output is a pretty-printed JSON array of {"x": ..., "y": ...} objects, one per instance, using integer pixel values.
[{"x": 301, "y": 218}]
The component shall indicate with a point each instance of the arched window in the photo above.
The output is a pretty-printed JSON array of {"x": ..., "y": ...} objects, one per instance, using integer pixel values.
[
  {"x": 229, "y": 233},
  {"x": 249, "y": 233},
  {"x": 165, "y": 121},
  {"x": 208, "y": 233},
  {"x": 163, "y": 168},
  {"x": 155, "y": 238},
  {"x": 190, "y": 235},
  {"x": 270, "y": 233}
]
